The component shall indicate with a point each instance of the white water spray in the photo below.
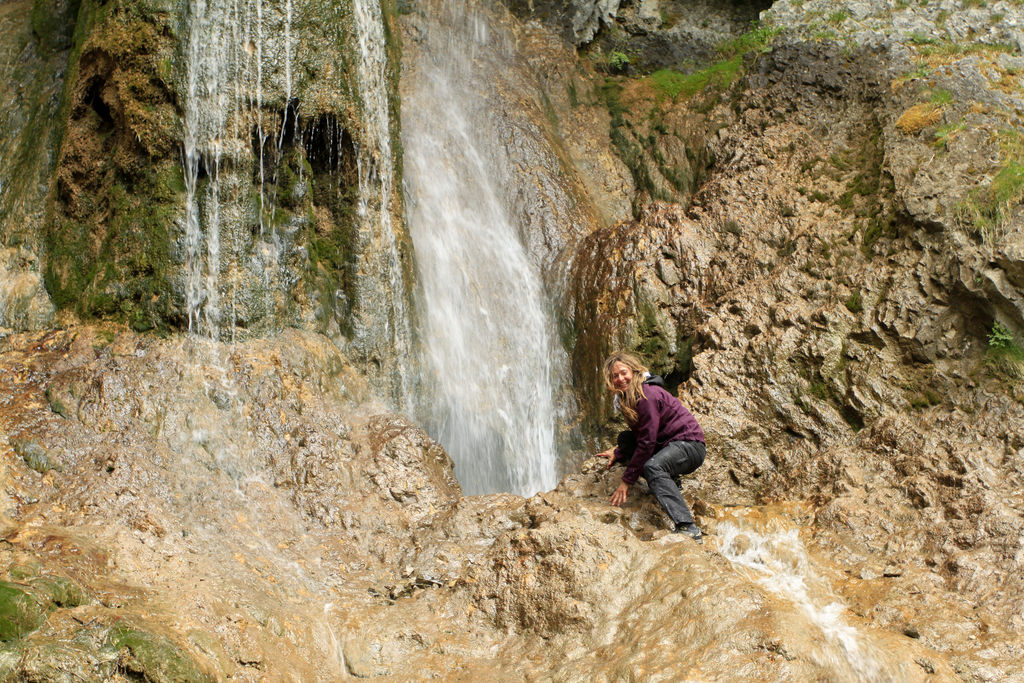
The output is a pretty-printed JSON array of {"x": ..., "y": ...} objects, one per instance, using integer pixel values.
[
  {"x": 231, "y": 45},
  {"x": 489, "y": 374}
]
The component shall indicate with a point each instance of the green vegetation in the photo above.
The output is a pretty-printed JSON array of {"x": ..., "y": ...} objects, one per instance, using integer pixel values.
[
  {"x": 1005, "y": 356},
  {"x": 25, "y": 606},
  {"x": 153, "y": 657},
  {"x": 987, "y": 209},
  {"x": 853, "y": 302},
  {"x": 925, "y": 399},
  {"x": 721, "y": 74},
  {"x": 951, "y": 49},
  {"x": 944, "y": 134},
  {"x": 20, "y": 611},
  {"x": 618, "y": 61},
  {"x": 941, "y": 97}
]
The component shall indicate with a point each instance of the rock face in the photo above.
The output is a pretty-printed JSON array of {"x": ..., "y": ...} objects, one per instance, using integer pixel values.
[{"x": 846, "y": 276}]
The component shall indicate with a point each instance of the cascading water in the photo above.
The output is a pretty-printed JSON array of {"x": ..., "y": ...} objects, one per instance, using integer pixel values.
[
  {"x": 243, "y": 102},
  {"x": 489, "y": 370},
  {"x": 205, "y": 116},
  {"x": 780, "y": 564},
  {"x": 376, "y": 172}
]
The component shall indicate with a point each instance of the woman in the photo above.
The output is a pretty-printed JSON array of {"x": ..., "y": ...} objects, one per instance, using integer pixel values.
[{"x": 664, "y": 440}]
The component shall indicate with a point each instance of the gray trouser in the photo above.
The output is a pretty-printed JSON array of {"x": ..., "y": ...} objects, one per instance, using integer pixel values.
[{"x": 675, "y": 459}]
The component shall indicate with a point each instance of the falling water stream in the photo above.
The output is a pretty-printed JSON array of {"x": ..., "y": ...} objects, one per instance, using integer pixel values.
[{"x": 488, "y": 352}]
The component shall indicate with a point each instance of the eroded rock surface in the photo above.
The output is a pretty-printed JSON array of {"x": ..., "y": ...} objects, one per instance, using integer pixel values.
[{"x": 196, "y": 511}]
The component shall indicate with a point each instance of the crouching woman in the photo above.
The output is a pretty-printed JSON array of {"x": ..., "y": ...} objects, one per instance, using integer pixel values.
[{"x": 664, "y": 440}]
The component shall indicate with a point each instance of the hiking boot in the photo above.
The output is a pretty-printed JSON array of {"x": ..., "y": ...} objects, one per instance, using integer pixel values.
[{"x": 690, "y": 529}]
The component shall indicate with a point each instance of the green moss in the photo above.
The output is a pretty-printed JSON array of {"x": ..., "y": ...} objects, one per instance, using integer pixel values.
[
  {"x": 20, "y": 611},
  {"x": 108, "y": 233},
  {"x": 925, "y": 399},
  {"x": 53, "y": 22},
  {"x": 55, "y": 402},
  {"x": 154, "y": 657},
  {"x": 60, "y": 591},
  {"x": 20, "y": 572},
  {"x": 651, "y": 344},
  {"x": 987, "y": 209}
]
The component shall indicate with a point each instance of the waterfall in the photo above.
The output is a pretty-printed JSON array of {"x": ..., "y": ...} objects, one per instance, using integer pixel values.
[
  {"x": 488, "y": 364},
  {"x": 207, "y": 60}
]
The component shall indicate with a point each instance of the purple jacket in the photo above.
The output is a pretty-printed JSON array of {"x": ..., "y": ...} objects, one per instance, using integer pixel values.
[{"x": 660, "y": 420}]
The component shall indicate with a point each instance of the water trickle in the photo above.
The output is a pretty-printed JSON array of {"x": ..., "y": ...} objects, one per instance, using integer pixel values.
[
  {"x": 206, "y": 67},
  {"x": 780, "y": 563},
  {"x": 489, "y": 370},
  {"x": 377, "y": 177}
]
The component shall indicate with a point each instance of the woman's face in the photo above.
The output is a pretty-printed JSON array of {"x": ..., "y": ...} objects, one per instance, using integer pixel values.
[{"x": 621, "y": 375}]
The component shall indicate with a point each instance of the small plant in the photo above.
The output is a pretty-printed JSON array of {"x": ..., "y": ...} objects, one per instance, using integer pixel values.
[
  {"x": 1005, "y": 356},
  {"x": 941, "y": 97},
  {"x": 918, "y": 38},
  {"x": 838, "y": 17},
  {"x": 853, "y": 303},
  {"x": 925, "y": 399},
  {"x": 919, "y": 117},
  {"x": 1000, "y": 338},
  {"x": 987, "y": 209},
  {"x": 618, "y": 61},
  {"x": 819, "y": 390},
  {"x": 944, "y": 134}
]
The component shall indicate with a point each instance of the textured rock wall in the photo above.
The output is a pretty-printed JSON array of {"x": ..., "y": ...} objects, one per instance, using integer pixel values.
[{"x": 846, "y": 266}]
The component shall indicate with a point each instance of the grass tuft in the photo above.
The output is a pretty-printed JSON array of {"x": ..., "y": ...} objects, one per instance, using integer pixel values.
[{"x": 919, "y": 117}]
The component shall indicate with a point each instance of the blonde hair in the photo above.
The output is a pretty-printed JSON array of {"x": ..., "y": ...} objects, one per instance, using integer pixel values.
[{"x": 632, "y": 394}]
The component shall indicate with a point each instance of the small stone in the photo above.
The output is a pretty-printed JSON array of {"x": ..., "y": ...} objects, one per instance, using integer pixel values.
[
  {"x": 911, "y": 631},
  {"x": 668, "y": 272}
]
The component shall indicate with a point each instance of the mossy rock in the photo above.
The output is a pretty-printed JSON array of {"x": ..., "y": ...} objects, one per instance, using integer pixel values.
[
  {"x": 21, "y": 611},
  {"x": 54, "y": 660},
  {"x": 59, "y": 591},
  {"x": 53, "y": 22},
  {"x": 35, "y": 456},
  {"x": 154, "y": 657}
]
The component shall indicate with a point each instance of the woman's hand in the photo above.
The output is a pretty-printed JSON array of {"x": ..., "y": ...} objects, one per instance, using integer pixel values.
[
  {"x": 619, "y": 497},
  {"x": 610, "y": 454}
]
